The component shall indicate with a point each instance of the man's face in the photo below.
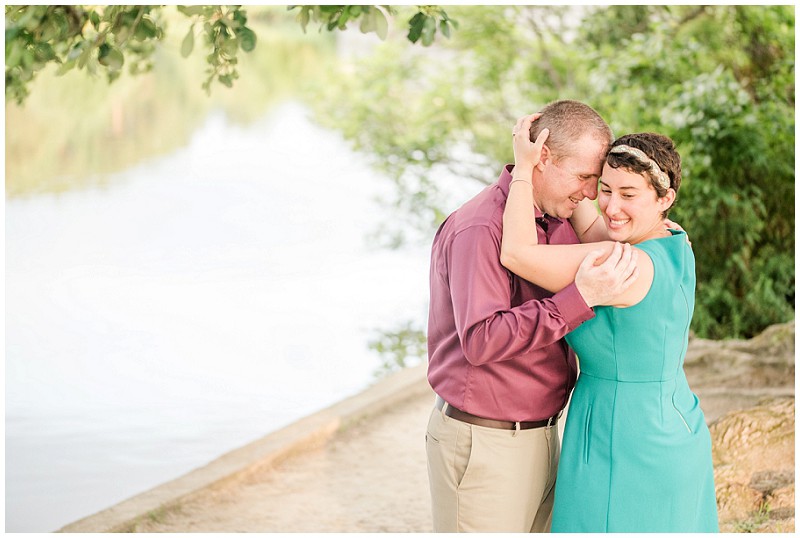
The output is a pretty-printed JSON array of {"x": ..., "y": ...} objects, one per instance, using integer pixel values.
[{"x": 562, "y": 185}]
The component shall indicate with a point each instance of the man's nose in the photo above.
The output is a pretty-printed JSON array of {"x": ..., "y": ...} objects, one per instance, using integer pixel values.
[{"x": 590, "y": 190}]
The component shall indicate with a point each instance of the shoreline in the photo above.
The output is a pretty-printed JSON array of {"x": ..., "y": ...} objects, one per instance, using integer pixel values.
[{"x": 301, "y": 436}]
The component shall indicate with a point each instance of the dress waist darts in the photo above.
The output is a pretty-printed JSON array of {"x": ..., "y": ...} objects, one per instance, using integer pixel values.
[{"x": 617, "y": 380}]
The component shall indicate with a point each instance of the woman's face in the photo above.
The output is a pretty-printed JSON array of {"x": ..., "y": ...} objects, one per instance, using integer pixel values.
[{"x": 630, "y": 206}]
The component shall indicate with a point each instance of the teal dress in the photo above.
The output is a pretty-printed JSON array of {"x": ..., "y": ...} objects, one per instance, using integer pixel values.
[{"x": 636, "y": 452}]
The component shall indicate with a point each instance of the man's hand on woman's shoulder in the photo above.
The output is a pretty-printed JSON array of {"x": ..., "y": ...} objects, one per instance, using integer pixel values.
[{"x": 601, "y": 282}]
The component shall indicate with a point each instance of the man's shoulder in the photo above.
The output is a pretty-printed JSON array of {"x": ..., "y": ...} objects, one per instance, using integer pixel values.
[{"x": 483, "y": 209}]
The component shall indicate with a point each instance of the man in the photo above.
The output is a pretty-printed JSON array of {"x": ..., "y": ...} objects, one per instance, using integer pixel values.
[{"x": 497, "y": 359}]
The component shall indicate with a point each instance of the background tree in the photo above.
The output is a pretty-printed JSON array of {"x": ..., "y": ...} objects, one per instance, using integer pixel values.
[{"x": 718, "y": 79}]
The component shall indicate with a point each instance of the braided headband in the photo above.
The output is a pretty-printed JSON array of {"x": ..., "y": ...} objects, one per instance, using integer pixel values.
[{"x": 660, "y": 177}]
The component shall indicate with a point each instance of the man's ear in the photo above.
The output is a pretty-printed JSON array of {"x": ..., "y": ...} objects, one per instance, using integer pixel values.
[{"x": 546, "y": 154}]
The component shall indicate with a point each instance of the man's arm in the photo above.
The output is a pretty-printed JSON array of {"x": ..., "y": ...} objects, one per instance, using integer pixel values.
[{"x": 489, "y": 329}]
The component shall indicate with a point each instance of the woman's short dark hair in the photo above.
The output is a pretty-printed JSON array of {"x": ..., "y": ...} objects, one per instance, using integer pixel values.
[{"x": 660, "y": 149}]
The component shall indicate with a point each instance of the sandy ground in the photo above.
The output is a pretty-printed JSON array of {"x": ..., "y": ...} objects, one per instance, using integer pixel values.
[{"x": 371, "y": 477}]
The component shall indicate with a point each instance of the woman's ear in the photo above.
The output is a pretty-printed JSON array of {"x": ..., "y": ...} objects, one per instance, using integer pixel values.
[{"x": 667, "y": 200}]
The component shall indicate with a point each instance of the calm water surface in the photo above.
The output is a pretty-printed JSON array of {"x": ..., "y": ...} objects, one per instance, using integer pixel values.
[{"x": 200, "y": 301}]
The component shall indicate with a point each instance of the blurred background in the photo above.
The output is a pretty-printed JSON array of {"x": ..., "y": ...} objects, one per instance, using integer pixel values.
[{"x": 236, "y": 234}]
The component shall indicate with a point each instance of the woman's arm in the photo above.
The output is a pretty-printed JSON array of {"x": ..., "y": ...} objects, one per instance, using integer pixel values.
[
  {"x": 587, "y": 223},
  {"x": 552, "y": 267}
]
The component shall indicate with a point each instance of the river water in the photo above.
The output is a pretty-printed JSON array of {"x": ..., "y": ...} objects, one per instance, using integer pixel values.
[{"x": 192, "y": 305}]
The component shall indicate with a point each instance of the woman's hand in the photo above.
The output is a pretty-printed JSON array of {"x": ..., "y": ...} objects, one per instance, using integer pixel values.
[
  {"x": 519, "y": 230},
  {"x": 526, "y": 153},
  {"x": 672, "y": 225}
]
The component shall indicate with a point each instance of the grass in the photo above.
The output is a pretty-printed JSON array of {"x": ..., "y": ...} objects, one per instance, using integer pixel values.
[{"x": 755, "y": 521}]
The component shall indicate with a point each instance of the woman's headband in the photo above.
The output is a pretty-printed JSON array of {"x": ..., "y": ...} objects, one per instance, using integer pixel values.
[{"x": 661, "y": 178}]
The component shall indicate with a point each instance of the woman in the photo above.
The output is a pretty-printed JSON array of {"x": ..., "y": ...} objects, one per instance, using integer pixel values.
[{"x": 637, "y": 452}]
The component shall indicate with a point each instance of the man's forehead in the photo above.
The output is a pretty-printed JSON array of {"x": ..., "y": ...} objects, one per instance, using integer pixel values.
[
  {"x": 589, "y": 150},
  {"x": 586, "y": 164},
  {"x": 589, "y": 158}
]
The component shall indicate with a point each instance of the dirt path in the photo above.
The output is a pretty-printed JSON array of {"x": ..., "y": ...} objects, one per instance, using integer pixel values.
[{"x": 370, "y": 478}]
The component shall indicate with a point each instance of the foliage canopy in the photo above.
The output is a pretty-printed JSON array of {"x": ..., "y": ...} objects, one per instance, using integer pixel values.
[
  {"x": 719, "y": 80},
  {"x": 105, "y": 38}
]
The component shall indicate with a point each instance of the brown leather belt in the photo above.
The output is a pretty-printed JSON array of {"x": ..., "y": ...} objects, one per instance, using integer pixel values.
[{"x": 469, "y": 418}]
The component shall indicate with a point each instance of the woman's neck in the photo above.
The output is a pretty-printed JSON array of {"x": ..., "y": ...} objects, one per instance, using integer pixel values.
[{"x": 659, "y": 231}]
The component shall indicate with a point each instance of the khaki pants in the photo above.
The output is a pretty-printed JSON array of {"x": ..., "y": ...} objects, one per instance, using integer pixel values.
[{"x": 490, "y": 480}]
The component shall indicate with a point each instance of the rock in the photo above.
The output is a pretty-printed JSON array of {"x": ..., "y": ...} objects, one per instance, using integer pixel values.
[
  {"x": 730, "y": 375},
  {"x": 768, "y": 481},
  {"x": 766, "y": 360},
  {"x": 753, "y": 452}
]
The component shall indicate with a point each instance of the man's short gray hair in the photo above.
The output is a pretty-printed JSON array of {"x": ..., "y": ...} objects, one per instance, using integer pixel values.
[{"x": 568, "y": 121}]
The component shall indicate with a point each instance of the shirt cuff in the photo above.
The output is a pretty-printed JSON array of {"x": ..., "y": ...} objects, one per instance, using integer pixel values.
[{"x": 572, "y": 306}]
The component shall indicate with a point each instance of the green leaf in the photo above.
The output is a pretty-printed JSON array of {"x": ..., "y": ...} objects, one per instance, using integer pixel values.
[
  {"x": 110, "y": 57},
  {"x": 303, "y": 17},
  {"x": 84, "y": 54},
  {"x": 230, "y": 46},
  {"x": 419, "y": 17},
  {"x": 188, "y": 43},
  {"x": 122, "y": 34},
  {"x": 227, "y": 80},
  {"x": 367, "y": 23},
  {"x": 240, "y": 16},
  {"x": 381, "y": 23},
  {"x": 50, "y": 30},
  {"x": 445, "y": 28},
  {"x": 14, "y": 52},
  {"x": 247, "y": 39},
  {"x": 343, "y": 18},
  {"x": 64, "y": 67},
  {"x": 45, "y": 52},
  {"x": 76, "y": 50},
  {"x": 416, "y": 24},
  {"x": 11, "y": 34},
  {"x": 146, "y": 29},
  {"x": 428, "y": 31}
]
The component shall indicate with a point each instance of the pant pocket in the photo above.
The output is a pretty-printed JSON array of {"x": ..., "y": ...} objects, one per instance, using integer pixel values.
[{"x": 464, "y": 455}]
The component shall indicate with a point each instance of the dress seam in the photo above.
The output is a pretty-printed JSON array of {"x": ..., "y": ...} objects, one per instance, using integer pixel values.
[
  {"x": 611, "y": 459},
  {"x": 624, "y": 381},
  {"x": 611, "y": 436}
]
